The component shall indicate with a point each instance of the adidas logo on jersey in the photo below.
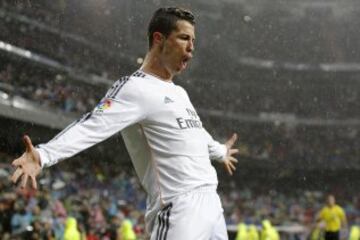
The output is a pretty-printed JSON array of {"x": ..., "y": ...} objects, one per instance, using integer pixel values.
[{"x": 168, "y": 100}]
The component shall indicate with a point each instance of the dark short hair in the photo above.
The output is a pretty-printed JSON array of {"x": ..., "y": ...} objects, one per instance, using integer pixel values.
[{"x": 164, "y": 21}]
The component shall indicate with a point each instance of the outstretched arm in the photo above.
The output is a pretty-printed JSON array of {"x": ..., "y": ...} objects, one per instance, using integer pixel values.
[{"x": 114, "y": 113}]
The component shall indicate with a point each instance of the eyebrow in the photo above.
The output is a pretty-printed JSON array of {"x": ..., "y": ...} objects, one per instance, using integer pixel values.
[{"x": 186, "y": 34}]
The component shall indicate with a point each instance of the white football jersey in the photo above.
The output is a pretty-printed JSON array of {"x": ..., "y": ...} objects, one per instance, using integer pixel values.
[{"x": 164, "y": 136}]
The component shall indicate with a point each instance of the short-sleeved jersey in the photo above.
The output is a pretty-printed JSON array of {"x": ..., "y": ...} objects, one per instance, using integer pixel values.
[
  {"x": 169, "y": 148},
  {"x": 332, "y": 217}
]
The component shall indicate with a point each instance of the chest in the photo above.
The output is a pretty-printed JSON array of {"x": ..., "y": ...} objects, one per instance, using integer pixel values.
[{"x": 172, "y": 106}]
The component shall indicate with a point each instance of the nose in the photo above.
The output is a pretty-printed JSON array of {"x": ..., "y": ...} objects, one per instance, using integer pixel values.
[{"x": 190, "y": 46}]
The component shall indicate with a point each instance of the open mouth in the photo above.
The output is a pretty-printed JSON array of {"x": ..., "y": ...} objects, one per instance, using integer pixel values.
[{"x": 185, "y": 61}]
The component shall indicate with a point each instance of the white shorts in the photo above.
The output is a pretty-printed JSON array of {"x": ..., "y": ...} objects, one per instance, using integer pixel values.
[{"x": 196, "y": 215}]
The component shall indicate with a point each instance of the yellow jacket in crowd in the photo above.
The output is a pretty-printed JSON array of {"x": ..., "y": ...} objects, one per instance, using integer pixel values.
[
  {"x": 71, "y": 232},
  {"x": 269, "y": 232},
  {"x": 245, "y": 232},
  {"x": 354, "y": 233},
  {"x": 333, "y": 217},
  {"x": 242, "y": 232},
  {"x": 253, "y": 233},
  {"x": 126, "y": 231},
  {"x": 317, "y": 233}
]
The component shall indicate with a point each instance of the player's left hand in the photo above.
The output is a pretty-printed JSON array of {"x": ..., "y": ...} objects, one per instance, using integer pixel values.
[{"x": 230, "y": 161}]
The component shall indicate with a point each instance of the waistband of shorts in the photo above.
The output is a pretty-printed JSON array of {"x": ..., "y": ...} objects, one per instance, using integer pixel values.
[
  {"x": 199, "y": 189},
  {"x": 202, "y": 189}
]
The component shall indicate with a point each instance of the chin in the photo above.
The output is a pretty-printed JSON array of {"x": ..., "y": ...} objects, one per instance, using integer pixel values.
[{"x": 178, "y": 71}]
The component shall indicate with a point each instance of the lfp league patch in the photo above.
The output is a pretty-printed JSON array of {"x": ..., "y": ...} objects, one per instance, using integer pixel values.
[{"x": 103, "y": 105}]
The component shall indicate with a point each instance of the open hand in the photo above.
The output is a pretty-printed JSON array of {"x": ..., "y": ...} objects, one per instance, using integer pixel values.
[
  {"x": 230, "y": 161},
  {"x": 27, "y": 166}
]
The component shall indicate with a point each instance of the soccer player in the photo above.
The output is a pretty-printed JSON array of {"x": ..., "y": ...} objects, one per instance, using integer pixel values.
[
  {"x": 334, "y": 218},
  {"x": 170, "y": 150}
]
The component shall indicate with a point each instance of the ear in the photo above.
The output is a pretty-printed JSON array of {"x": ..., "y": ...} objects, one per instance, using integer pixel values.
[{"x": 158, "y": 37}]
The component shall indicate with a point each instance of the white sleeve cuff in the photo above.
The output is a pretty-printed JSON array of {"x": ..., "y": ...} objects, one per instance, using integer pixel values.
[
  {"x": 44, "y": 160},
  {"x": 221, "y": 153}
]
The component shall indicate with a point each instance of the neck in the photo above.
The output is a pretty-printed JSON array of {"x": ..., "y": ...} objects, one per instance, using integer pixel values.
[{"x": 154, "y": 66}]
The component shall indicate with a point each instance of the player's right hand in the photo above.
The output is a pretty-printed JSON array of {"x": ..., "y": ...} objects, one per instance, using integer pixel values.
[{"x": 27, "y": 166}]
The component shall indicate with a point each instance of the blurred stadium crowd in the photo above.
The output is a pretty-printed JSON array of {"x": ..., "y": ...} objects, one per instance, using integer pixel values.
[
  {"x": 32, "y": 28},
  {"x": 296, "y": 146},
  {"x": 48, "y": 89},
  {"x": 44, "y": 29},
  {"x": 101, "y": 204}
]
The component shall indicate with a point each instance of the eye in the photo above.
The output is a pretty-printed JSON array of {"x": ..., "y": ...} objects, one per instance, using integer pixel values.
[{"x": 184, "y": 37}]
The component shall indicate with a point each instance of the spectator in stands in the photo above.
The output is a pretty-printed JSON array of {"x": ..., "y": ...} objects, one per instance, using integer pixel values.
[
  {"x": 354, "y": 233},
  {"x": 21, "y": 219},
  {"x": 71, "y": 231},
  {"x": 333, "y": 217},
  {"x": 242, "y": 231},
  {"x": 253, "y": 233},
  {"x": 126, "y": 231},
  {"x": 269, "y": 232}
]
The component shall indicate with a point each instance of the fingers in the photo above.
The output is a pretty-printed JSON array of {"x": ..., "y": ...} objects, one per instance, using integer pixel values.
[
  {"x": 233, "y": 151},
  {"x": 24, "y": 180},
  {"x": 33, "y": 182},
  {"x": 18, "y": 172},
  {"x": 17, "y": 162},
  {"x": 228, "y": 169},
  {"x": 28, "y": 144},
  {"x": 229, "y": 166},
  {"x": 231, "y": 140},
  {"x": 232, "y": 166},
  {"x": 233, "y": 160}
]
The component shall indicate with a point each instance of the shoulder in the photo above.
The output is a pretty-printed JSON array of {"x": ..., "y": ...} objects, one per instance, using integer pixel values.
[
  {"x": 129, "y": 85},
  {"x": 340, "y": 209},
  {"x": 323, "y": 210},
  {"x": 181, "y": 88},
  {"x": 182, "y": 91},
  {"x": 117, "y": 86}
]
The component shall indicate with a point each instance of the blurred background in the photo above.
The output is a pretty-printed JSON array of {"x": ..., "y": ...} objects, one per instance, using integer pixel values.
[{"x": 284, "y": 75}]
